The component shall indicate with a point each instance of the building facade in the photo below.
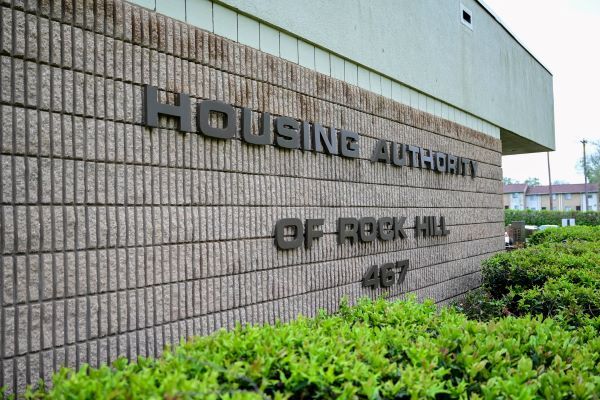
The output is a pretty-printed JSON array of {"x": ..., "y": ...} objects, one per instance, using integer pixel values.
[
  {"x": 565, "y": 197},
  {"x": 170, "y": 168},
  {"x": 514, "y": 196}
]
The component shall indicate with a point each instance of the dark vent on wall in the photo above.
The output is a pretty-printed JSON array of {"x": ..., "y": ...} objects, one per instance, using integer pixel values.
[{"x": 466, "y": 16}]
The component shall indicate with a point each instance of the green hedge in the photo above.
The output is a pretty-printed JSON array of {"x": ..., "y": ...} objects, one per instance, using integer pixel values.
[
  {"x": 559, "y": 235},
  {"x": 545, "y": 217},
  {"x": 558, "y": 277},
  {"x": 378, "y": 350}
]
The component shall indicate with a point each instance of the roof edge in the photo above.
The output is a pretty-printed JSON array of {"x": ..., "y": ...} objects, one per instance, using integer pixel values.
[
  {"x": 489, "y": 10},
  {"x": 562, "y": 188}
]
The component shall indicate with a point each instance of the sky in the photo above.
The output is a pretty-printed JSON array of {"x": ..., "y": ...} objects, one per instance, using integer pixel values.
[{"x": 564, "y": 35}]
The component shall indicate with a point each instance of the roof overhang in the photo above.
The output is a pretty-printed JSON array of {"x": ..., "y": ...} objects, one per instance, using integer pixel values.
[{"x": 513, "y": 144}]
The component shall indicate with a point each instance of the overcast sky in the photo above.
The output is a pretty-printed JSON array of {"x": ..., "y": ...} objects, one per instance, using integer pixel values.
[{"x": 565, "y": 36}]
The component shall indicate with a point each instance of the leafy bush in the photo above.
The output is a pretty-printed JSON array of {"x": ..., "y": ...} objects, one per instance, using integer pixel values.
[
  {"x": 375, "y": 350},
  {"x": 546, "y": 217},
  {"x": 559, "y": 277},
  {"x": 558, "y": 235}
]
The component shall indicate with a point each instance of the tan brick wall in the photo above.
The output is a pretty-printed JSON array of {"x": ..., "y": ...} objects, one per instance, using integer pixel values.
[{"x": 117, "y": 239}]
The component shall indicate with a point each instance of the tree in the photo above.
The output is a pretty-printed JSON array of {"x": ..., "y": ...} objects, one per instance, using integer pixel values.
[
  {"x": 593, "y": 163},
  {"x": 509, "y": 181},
  {"x": 532, "y": 182}
]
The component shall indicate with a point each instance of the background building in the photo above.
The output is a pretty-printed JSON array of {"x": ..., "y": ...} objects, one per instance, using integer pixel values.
[
  {"x": 120, "y": 234},
  {"x": 565, "y": 197},
  {"x": 514, "y": 196}
]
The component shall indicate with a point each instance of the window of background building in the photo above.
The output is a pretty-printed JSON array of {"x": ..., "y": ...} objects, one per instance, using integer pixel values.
[
  {"x": 515, "y": 195},
  {"x": 577, "y": 208},
  {"x": 568, "y": 196},
  {"x": 568, "y": 208}
]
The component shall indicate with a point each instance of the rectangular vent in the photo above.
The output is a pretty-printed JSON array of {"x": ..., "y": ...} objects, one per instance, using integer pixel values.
[{"x": 466, "y": 17}]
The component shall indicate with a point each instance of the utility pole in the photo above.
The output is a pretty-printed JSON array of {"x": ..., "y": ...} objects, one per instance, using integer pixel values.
[
  {"x": 584, "y": 142},
  {"x": 549, "y": 180}
]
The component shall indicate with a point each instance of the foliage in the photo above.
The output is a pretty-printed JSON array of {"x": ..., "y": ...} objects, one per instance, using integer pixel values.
[
  {"x": 559, "y": 235},
  {"x": 375, "y": 350},
  {"x": 532, "y": 181},
  {"x": 529, "y": 181},
  {"x": 558, "y": 277},
  {"x": 546, "y": 217}
]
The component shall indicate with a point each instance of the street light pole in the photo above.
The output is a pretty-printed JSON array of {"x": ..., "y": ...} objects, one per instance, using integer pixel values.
[
  {"x": 584, "y": 142},
  {"x": 549, "y": 181}
]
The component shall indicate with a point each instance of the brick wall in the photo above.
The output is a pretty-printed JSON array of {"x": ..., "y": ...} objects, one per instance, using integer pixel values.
[{"x": 116, "y": 239}]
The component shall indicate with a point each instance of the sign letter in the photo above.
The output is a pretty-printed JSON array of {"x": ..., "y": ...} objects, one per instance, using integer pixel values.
[{"x": 152, "y": 108}]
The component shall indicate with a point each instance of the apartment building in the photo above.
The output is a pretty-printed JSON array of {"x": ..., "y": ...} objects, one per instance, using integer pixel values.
[
  {"x": 514, "y": 196},
  {"x": 567, "y": 197}
]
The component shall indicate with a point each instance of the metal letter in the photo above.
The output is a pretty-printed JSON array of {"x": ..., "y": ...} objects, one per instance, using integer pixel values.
[
  {"x": 298, "y": 238},
  {"x": 387, "y": 275},
  {"x": 321, "y": 137},
  {"x": 349, "y": 144},
  {"x": 288, "y": 135},
  {"x": 398, "y": 154},
  {"x": 385, "y": 228},
  {"x": 381, "y": 153},
  {"x": 265, "y": 128},
  {"x": 426, "y": 159},
  {"x": 414, "y": 155},
  {"x": 445, "y": 231},
  {"x": 364, "y": 235},
  {"x": 311, "y": 233},
  {"x": 440, "y": 162},
  {"x": 403, "y": 265},
  {"x": 399, "y": 228},
  {"x": 152, "y": 108},
  {"x": 344, "y": 233},
  {"x": 421, "y": 226},
  {"x": 431, "y": 226},
  {"x": 474, "y": 169},
  {"x": 306, "y": 136},
  {"x": 371, "y": 277},
  {"x": 464, "y": 162},
  {"x": 436, "y": 229},
  {"x": 203, "y": 116},
  {"x": 452, "y": 164}
]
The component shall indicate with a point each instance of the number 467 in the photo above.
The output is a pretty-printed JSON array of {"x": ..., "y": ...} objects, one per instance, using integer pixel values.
[{"x": 385, "y": 276}]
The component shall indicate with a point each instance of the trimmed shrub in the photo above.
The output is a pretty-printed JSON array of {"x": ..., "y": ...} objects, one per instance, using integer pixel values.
[
  {"x": 375, "y": 350},
  {"x": 559, "y": 277},
  {"x": 546, "y": 217},
  {"x": 558, "y": 235}
]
